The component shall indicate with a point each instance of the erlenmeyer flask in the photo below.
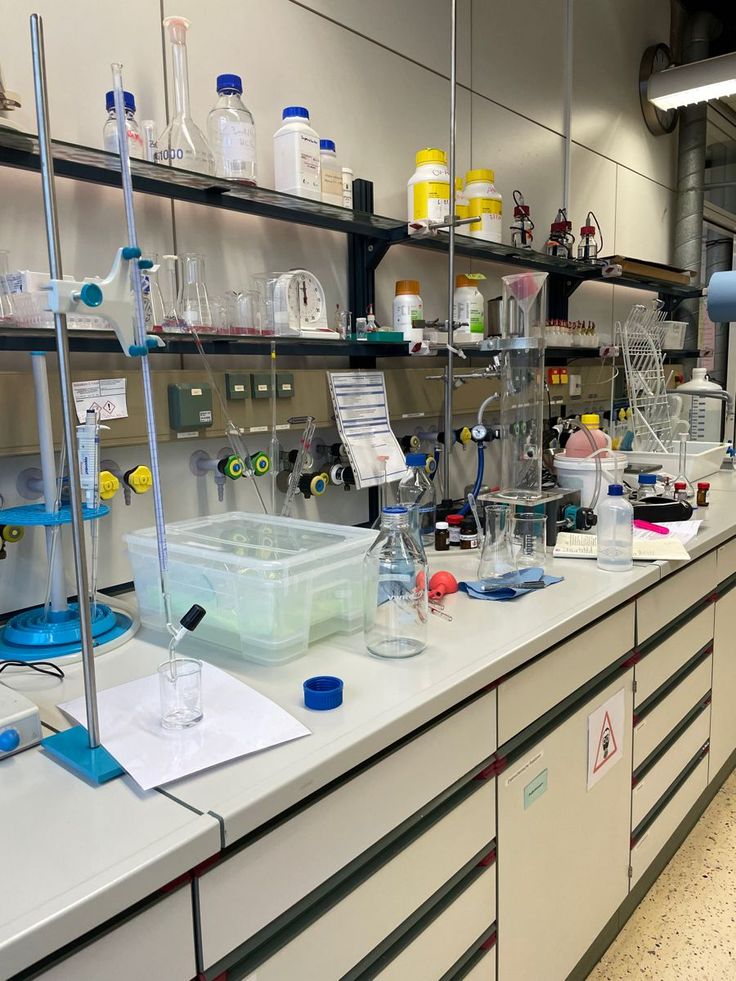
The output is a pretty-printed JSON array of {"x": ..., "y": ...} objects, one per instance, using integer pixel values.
[
  {"x": 6, "y": 299},
  {"x": 182, "y": 143},
  {"x": 153, "y": 301},
  {"x": 194, "y": 305},
  {"x": 496, "y": 557},
  {"x": 172, "y": 322}
]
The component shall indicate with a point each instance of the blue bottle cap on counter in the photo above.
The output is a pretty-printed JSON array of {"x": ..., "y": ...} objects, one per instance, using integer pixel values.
[
  {"x": 327, "y": 144},
  {"x": 128, "y": 101},
  {"x": 615, "y": 490},
  {"x": 233, "y": 82},
  {"x": 648, "y": 478},
  {"x": 416, "y": 459},
  {"x": 298, "y": 111},
  {"x": 323, "y": 692}
]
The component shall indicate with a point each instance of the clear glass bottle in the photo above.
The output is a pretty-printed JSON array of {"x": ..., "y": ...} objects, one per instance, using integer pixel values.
[
  {"x": 396, "y": 607},
  {"x": 615, "y": 531},
  {"x": 194, "y": 304},
  {"x": 182, "y": 143},
  {"x": 416, "y": 492},
  {"x": 232, "y": 133},
  {"x": 110, "y": 129}
]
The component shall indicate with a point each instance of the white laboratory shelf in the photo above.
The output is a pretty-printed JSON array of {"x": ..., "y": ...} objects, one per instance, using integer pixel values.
[{"x": 73, "y": 855}]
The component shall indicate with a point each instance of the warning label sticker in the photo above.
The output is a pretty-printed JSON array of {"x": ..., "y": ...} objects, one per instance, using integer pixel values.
[{"x": 605, "y": 737}]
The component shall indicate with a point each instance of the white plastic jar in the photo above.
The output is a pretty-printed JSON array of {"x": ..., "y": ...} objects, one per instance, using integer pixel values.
[
  {"x": 408, "y": 308},
  {"x": 428, "y": 188},
  {"x": 296, "y": 156},
  {"x": 469, "y": 307},
  {"x": 484, "y": 201},
  {"x": 330, "y": 173}
]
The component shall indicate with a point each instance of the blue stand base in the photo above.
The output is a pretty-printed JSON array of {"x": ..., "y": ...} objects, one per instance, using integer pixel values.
[
  {"x": 72, "y": 748},
  {"x": 31, "y": 636}
]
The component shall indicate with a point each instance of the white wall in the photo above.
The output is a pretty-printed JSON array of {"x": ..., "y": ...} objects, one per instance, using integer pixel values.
[{"x": 374, "y": 75}]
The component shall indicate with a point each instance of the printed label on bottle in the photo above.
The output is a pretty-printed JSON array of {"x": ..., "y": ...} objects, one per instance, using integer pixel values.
[
  {"x": 309, "y": 163},
  {"x": 431, "y": 200},
  {"x": 490, "y": 212},
  {"x": 332, "y": 186}
]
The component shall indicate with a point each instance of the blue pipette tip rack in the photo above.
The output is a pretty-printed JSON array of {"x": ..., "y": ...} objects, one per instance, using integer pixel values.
[{"x": 71, "y": 748}]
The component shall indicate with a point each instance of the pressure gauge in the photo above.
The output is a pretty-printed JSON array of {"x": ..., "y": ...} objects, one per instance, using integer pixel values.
[
  {"x": 479, "y": 433},
  {"x": 299, "y": 305}
]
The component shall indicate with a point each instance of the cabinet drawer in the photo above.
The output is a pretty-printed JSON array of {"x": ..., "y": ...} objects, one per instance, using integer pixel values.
[
  {"x": 285, "y": 865},
  {"x": 663, "y": 603},
  {"x": 656, "y": 837},
  {"x": 663, "y": 774},
  {"x": 484, "y": 970},
  {"x": 351, "y": 929},
  {"x": 669, "y": 656},
  {"x": 726, "y": 560},
  {"x": 534, "y": 690},
  {"x": 157, "y": 943},
  {"x": 433, "y": 952},
  {"x": 659, "y": 723}
]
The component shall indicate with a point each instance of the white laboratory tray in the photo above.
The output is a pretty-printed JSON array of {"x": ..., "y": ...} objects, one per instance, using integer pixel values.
[
  {"x": 703, "y": 459},
  {"x": 270, "y": 585}
]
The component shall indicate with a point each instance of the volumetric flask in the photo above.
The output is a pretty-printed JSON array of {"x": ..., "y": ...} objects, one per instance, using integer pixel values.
[
  {"x": 496, "y": 556},
  {"x": 180, "y": 686},
  {"x": 194, "y": 305},
  {"x": 183, "y": 144},
  {"x": 529, "y": 540}
]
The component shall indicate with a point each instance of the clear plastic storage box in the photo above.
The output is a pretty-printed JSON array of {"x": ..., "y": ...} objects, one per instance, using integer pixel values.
[{"x": 270, "y": 585}]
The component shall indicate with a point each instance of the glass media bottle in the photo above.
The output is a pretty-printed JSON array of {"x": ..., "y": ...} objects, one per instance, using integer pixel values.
[{"x": 395, "y": 583}]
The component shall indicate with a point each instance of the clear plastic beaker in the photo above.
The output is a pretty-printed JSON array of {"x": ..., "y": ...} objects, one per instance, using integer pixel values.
[
  {"x": 180, "y": 686},
  {"x": 194, "y": 304},
  {"x": 496, "y": 556},
  {"x": 529, "y": 540},
  {"x": 182, "y": 143}
]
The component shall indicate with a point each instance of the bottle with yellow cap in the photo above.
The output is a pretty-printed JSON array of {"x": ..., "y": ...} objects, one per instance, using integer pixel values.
[
  {"x": 428, "y": 189},
  {"x": 461, "y": 202},
  {"x": 408, "y": 308},
  {"x": 485, "y": 202},
  {"x": 468, "y": 306}
]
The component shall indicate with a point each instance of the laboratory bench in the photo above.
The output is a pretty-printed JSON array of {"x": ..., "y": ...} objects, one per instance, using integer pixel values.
[{"x": 451, "y": 802}]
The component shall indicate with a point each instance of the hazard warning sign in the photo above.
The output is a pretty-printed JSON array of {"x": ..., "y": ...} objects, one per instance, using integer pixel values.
[{"x": 605, "y": 737}]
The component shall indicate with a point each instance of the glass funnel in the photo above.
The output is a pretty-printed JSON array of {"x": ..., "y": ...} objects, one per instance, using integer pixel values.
[
  {"x": 194, "y": 304},
  {"x": 182, "y": 143},
  {"x": 522, "y": 393}
]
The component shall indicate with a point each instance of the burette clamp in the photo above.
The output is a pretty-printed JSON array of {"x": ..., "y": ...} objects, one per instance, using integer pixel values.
[{"x": 110, "y": 298}]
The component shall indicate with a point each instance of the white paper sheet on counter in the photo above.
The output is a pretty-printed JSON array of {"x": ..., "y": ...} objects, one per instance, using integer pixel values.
[
  {"x": 684, "y": 531},
  {"x": 237, "y": 721}
]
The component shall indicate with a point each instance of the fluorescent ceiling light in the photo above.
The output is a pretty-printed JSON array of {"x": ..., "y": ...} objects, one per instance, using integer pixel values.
[{"x": 699, "y": 81}]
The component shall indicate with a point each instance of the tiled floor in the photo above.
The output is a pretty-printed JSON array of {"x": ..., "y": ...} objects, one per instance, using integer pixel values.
[{"x": 685, "y": 928}]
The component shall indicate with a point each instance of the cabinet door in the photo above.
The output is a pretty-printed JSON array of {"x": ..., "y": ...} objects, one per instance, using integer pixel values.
[
  {"x": 563, "y": 850},
  {"x": 723, "y": 714}
]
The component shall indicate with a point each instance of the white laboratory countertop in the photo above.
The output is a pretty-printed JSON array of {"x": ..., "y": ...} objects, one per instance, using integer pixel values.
[
  {"x": 73, "y": 855},
  {"x": 120, "y": 844}
]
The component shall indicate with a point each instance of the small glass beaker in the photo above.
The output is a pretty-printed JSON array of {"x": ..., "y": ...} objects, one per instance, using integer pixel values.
[
  {"x": 194, "y": 304},
  {"x": 180, "y": 685},
  {"x": 248, "y": 315},
  {"x": 529, "y": 540},
  {"x": 153, "y": 301},
  {"x": 496, "y": 556},
  {"x": 6, "y": 298},
  {"x": 172, "y": 322}
]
